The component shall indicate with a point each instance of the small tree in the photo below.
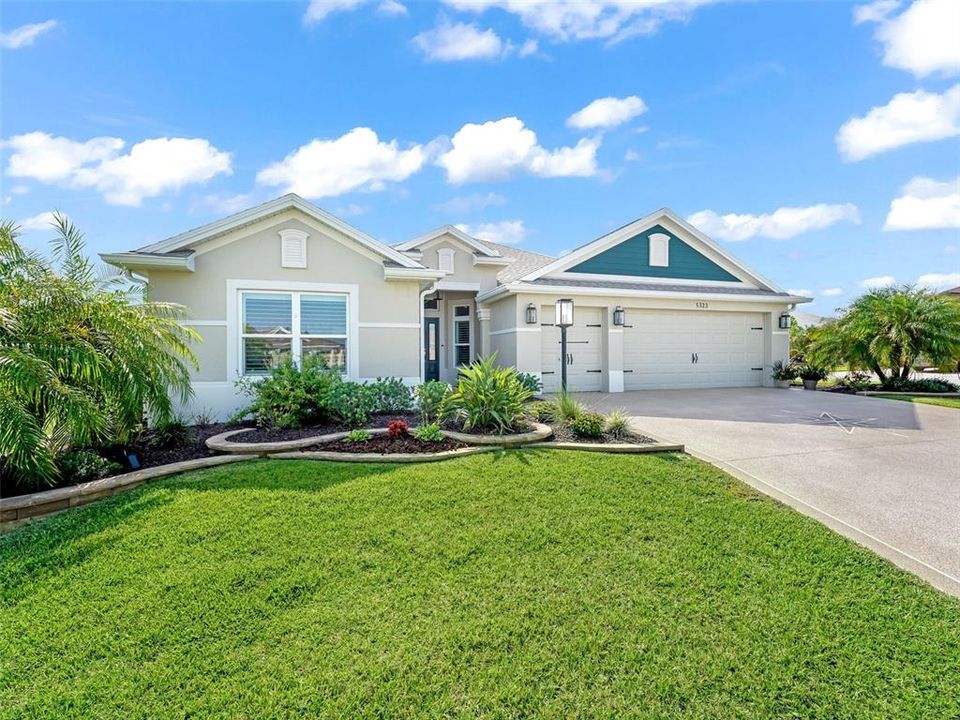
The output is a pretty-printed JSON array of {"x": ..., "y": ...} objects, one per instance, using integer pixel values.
[
  {"x": 82, "y": 357},
  {"x": 887, "y": 330}
]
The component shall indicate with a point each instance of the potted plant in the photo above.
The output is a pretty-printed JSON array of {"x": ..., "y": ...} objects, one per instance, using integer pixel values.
[
  {"x": 811, "y": 375},
  {"x": 783, "y": 373}
]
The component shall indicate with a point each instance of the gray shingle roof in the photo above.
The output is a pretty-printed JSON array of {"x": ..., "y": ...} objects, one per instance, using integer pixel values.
[
  {"x": 524, "y": 262},
  {"x": 662, "y": 287}
]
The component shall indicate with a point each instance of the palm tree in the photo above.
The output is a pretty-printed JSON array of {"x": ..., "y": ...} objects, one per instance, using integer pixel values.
[
  {"x": 83, "y": 357},
  {"x": 888, "y": 330}
]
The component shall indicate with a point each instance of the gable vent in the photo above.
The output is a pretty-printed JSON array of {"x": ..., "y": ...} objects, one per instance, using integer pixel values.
[{"x": 293, "y": 248}]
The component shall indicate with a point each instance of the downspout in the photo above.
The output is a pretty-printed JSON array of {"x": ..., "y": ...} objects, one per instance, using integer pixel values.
[{"x": 423, "y": 296}]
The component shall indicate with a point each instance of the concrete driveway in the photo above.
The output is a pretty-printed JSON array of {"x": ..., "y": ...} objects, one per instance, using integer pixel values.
[{"x": 885, "y": 473}]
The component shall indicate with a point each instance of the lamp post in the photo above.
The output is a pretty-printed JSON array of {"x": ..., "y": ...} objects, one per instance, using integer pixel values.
[{"x": 564, "y": 320}]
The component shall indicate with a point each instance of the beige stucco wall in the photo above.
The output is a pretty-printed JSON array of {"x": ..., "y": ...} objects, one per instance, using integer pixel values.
[{"x": 463, "y": 268}]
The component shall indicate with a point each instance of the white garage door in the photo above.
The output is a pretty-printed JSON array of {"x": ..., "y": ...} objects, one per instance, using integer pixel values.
[
  {"x": 584, "y": 351},
  {"x": 682, "y": 349}
]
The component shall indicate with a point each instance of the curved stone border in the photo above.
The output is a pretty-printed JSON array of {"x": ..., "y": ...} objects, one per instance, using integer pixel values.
[
  {"x": 16, "y": 510},
  {"x": 333, "y": 456},
  {"x": 539, "y": 432},
  {"x": 220, "y": 442}
]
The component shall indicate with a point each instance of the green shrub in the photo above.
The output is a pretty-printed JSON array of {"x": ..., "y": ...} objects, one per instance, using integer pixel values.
[
  {"x": 784, "y": 371},
  {"x": 428, "y": 433},
  {"x": 856, "y": 381},
  {"x": 204, "y": 418},
  {"x": 587, "y": 425},
  {"x": 85, "y": 465},
  {"x": 568, "y": 409},
  {"x": 170, "y": 434},
  {"x": 358, "y": 435},
  {"x": 390, "y": 396},
  {"x": 811, "y": 372},
  {"x": 352, "y": 403},
  {"x": 618, "y": 423},
  {"x": 543, "y": 411},
  {"x": 932, "y": 385},
  {"x": 291, "y": 396},
  {"x": 530, "y": 381},
  {"x": 489, "y": 397},
  {"x": 431, "y": 399}
]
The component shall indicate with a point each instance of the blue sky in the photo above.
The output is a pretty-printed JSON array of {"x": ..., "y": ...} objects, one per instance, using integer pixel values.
[{"x": 820, "y": 142}]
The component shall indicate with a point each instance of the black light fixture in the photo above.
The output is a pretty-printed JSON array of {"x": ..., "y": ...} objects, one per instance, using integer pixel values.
[
  {"x": 619, "y": 315},
  {"x": 784, "y": 321},
  {"x": 531, "y": 314},
  {"x": 564, "y": 320}
]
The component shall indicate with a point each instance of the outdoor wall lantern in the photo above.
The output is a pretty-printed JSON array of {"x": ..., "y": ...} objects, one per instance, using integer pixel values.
[
  {"x": 619, "y": 315},
  {"x": 784, "y": 321},
  {"x": 564, "y": 320},
  {"x": 531, "y": 314}
]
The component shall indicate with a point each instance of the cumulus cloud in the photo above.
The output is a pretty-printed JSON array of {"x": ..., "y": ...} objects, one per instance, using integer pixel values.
[
  {"x": 25, "y": 35},
  {"x": 801, "y": 292},
  {"x": 451, "y": 42},
  {"x": 832, "y": 292},
  {"x": 925, "y": 204},
  {"x": 908, "y": 118},
  {"x": 881, "y": 281},
  {"x": 499, "y": 148},
  {"x": 318, "y": 10},
  {"x": 922, "y": 39},
  {"x": 391, "y": 7},
  {"x": 612, "y": 20},
  {"x": 43, "y": 221},
  {"x": 471, "y": 203},
  {"x": 506, "y": 232},
  {"x": 150, "y": 168},
  {"x": 783, "y": 223},
  {"x": 358, "y": 160},
  {"x": 226, "y": 203},
  {"x": 939, "y": 281},
  {"x": 607, "y": 112}
]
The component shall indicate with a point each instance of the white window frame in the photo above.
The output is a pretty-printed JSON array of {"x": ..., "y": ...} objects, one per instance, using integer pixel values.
[
  {"x": 468, "y": 319},
  {"x": 234, "y": 303},
  {"x": 659, "y": 250}
]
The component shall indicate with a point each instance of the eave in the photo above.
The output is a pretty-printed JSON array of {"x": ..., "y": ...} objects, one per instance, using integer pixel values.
[{"x": 145, "y": 261}]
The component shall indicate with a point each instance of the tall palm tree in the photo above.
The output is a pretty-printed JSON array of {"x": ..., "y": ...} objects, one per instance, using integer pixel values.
[
  {"x": 889, "y": 329},
  {"x": 83, "y": 356}
]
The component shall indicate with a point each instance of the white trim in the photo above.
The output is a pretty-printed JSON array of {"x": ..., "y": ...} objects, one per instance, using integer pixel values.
[
  {"x": 780, "y": 332},
  {"x": 272, "y": 207},
  {"x": 205, "y": 323},
  {"x": 587, "y": 277},
  {"x": 615, "y": 381},
  {"x": 146, "y": 261},
  {"x": 420, "y": 273},
  {"x": 484, "y": 314},
  {"x": 515, "y": 330},
  {"x": 415, "y": 326},
  {"x": 565, "y": 290},
  {"x": 454, "y": 232},
  {"x": 457, "y": 285},
  {"x": 468, "y": 319},
  {"x": 236, "y": 286},
  {"x": 500, "y": 261},
  {"x": 615, "y": 330}
]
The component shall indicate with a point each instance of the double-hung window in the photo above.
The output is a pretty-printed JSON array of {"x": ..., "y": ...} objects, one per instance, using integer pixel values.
[{"x": 275, "y": 324}]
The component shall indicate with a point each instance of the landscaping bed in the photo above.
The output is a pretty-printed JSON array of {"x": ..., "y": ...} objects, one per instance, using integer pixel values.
[
  {"x": 388, "y": 445},
  {"x": 562, "y": 433},
  {"x": 267, "y": 434}
]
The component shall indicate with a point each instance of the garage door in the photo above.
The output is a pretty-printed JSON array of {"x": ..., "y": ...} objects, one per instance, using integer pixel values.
[
  {"x": 584, "y": 351},
  {"x": 681, "y": 349}
]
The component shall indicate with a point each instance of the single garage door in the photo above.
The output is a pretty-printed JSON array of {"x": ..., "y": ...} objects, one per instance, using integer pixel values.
[
  {"x": 684, "y": 349},
  {"x": 584, "y": 351}
]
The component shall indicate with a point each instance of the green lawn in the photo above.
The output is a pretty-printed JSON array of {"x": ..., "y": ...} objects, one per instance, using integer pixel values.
[
  {"x": 950, "y": 402},
  {"x": 548, "y": 583}
]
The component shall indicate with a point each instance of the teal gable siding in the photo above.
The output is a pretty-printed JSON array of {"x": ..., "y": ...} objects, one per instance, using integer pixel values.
[{"x": 631, "y": 257}]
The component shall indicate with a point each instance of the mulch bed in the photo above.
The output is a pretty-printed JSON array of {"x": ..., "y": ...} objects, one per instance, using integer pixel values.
[
  {"x": 276, "y": 435},
  {"x": 386, "y": 445},
  {"x": 561, "y": 433},
  {"x": 457, "y": 426}
]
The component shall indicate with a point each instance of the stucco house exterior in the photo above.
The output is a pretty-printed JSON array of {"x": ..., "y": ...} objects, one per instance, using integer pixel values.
[{"x": 287, "y": 276}]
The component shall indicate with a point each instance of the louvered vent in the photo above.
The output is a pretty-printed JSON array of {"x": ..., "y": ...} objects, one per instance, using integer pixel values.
[{"x": 293, "y": 252}]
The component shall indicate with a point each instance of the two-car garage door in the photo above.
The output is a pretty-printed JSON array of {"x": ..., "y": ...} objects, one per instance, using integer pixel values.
[{"x": 684, "y": 349}]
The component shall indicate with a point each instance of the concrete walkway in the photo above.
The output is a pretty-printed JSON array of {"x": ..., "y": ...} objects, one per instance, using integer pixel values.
[{"x": 885, "y": 473}]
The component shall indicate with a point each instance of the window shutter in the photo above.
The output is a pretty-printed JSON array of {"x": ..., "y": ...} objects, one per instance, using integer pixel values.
[{"x": 293, "y": 248}]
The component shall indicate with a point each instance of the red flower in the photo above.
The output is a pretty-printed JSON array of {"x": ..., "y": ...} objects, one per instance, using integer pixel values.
[{"x": 396, "y": 428}]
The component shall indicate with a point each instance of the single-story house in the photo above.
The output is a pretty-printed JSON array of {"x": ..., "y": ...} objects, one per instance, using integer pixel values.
[{"x": 287, "y": 276}]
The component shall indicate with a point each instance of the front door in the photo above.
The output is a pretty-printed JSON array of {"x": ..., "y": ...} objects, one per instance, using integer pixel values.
[{"x": 431, "y": 349}]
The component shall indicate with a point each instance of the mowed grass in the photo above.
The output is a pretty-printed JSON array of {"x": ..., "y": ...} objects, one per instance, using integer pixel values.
[
  {"x": 950, "y": 402},
  {"x": 520, "y": 584}
]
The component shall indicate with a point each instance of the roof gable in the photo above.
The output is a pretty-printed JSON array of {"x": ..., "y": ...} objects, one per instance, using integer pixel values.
[{"x": 448, "y": 230}]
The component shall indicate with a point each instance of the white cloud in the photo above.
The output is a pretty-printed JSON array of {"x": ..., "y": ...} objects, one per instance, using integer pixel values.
[
  {"x": 939, "y": 281},
  {"x": 498, "y": 148},
  {"x": 607, "y": 112},
  {"x": 922, "y": 39},
  {"x": 908, "y": 118},
  {"x": 950, "y": 250},
  {"x": 25, "y": 35},
  {"x": 459, "y": 41},
  {"x": 43, "y": 221},
  {"x": 785, "y": 222},
  {"x": 226, "y": 203},
  {"x": 613, "y": 20},
  {"x": 878, "y": 282},
  {"x": 506, "y": 232},
  {"x": 357, "y": 160},
  {"x": 150, "y": 168},
  {"x": 351, "y": 210},
  {"x": 471, "y": 203},
  {"x": 802, "y": 292},
  {"x": 925, "y": 204},
  {"x": 318, "y": 10},
  {"x": 632, "y": 155},
  {"x": 392, "y": 7},
  {"x": 832, "y": 292}
]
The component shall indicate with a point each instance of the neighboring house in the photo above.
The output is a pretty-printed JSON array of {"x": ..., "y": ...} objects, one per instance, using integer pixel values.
[
  {"x": 287, "y": 276},
  {"x": 805, "y": 319}
]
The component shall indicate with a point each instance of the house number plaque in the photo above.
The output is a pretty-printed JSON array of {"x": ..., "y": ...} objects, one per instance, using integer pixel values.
[{"x": 702, "y": 305}]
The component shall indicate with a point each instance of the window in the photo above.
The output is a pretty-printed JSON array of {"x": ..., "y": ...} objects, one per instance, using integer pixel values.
[
  {"x": 659, "y": 250},
  {"x": 293, "y": 248},
  {"x": 445, "y": 259},
  {"x": 276, "y": 323},
  {"x": 461, "y": 335}
]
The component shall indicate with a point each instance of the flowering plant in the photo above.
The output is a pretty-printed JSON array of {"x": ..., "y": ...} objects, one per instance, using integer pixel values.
[{"x": 396, "y": 428}]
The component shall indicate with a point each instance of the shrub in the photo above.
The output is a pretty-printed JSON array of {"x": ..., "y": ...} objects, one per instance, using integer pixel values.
[
  {"x": 568, "y": 408},
  {"x": 291, "y": 396},
  {"x": 390, "y": 395},
  {"x": 172, "y": 433},
  {"x": 932, "y": 385},
  {"x": 618, "y": 423},
  {"x": 855, "y": 381},
  {"x": 530, "y": 381},
  {"x": 431, "y": 399},
  {"x": 351, "y": 403},
  {"x": 428, "y": 433},
  {"x": 784, "y": 371},
  {"x": 489, "y": 397},
  {"x": 397, "y": 428},
  {"x": 358, "y": 435},
  {"x": 85, "y": 465},
  {"x": 543, "y": 411},
  {"x": 587, "y": 425},
  {"x": 204, "y": 418},
  {"x": 811, "y": 372}
]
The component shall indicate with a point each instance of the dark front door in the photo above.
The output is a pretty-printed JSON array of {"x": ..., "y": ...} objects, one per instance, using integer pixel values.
[{"x": 431, "y": 349}]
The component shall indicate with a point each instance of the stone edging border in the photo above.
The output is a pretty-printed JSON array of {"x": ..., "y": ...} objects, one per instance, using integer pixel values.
[
  {"x": 539, "y": 432},
  {"x": 15, "y": 510},
  {"x": 613, "y": 448},
  {"x": 220, "y": 443},
  {"x": 921, "y": 394}
]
